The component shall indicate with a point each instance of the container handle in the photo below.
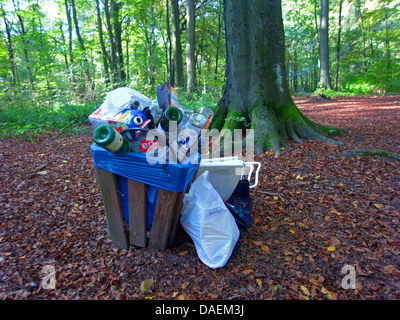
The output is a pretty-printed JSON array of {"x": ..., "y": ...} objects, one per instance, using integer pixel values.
[{"x": 250, "y": 164}]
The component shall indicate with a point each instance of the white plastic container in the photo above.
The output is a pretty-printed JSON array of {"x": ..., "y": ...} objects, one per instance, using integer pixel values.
[{"x": 225, "y": 173}]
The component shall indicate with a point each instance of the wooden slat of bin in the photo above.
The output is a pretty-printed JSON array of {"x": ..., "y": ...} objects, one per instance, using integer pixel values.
[
  {"x": 163, "y": 217},
  {"x": 137, "y": 213},
  {"x": 177, "y": 211},
  {"x": 112, "y": 204},
  {"x": 175, "y": 218}
]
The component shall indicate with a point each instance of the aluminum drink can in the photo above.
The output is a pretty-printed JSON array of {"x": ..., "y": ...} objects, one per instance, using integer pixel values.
[{"x": 208, "y": 113}]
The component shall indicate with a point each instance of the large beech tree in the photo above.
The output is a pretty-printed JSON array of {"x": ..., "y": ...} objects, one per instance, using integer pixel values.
[{"x": 256, "y": 92}]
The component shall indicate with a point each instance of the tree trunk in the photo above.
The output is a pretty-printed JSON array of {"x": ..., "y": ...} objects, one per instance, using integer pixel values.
[
  {"x": 64, "y": 44},
  {"x": 338, "y": 45},
  {"x": 113, "y": 51},
  {"x": 70, "y": 52},
  {"x": 26, "y": 42},
  {"x": 115, "y": 8},
  {"x": 89, "y": 85},
  {"x": 359, "y": 11},
  {"x": 45, "y": 58},
  {"x": 128, "y": 43},
  {"x": 190, "y": 56},
  {"x": 295, "y": 72},
  {"x": 102, "y": 45},
  {"x": 256, "y": 91},
  {"x": 147, "y": 18},
  {"x": 387, "y": 51},
  {"x": 218, "y": 41},
  {"x": 176, "y": 45},
  {"x": 324, "y": 78},
  {"x": 168, "y": 45},
  {"x": 11, "y": 56}
]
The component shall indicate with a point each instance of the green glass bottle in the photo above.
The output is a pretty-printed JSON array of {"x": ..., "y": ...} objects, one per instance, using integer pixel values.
[
  {"x": 171, "y": 114},
  {"x": 107, "y": 137}
]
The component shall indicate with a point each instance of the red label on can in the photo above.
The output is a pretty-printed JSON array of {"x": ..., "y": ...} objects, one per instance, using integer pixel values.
[{"x": 146, "y": 144}]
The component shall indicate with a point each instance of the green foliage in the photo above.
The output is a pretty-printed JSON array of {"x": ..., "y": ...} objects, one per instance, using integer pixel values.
[
  {"x": 359, "y": 88},
  {"x": 43, "y": 64},
  {"x": 30, "y": 121},
  {"x": 330, "y": 93},
  {"x": 367, "y": 58},
  {"x": 235, "y": 120},
  {"x": 196, "y": 100}
]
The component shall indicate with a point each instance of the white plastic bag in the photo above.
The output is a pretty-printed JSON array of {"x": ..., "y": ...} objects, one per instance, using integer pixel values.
[
  {"x": 209, "y": 223},
  {"x": 116, "y": 101},
  {"x": 122, "y": 98}
]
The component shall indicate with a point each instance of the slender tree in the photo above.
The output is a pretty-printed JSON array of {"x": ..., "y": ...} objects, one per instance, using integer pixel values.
[
  {"x": 190, "y": 47},
  {"x": 117, "y": 23},
  {"x": 88, "y": 89},
  {"x": 26, "y": 44},
  {"x": 10, "y": 50},
  {"x": 324, "y": 76},
  {"x": 102, "y": 44},
  {"x": 338, "y": 43},
  {"x": 113, "y": 50},
  {"x": 70, "y": 30},
  {"x": 168, "y": 42},
  {"x": 218, "y": 40},
  {"x": 177, "y": 80}
]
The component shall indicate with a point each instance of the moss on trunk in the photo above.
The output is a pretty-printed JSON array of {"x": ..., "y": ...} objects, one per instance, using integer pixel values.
[
  {"x": 274, "y": 125},
  {"x": 219, "y": 118}
]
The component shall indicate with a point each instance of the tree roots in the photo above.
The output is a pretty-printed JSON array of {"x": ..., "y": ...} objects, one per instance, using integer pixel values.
[
  {"x": 372, "y": 152},
  {"x": 274, "y": 125},
  {"x": 289, "y": 124}
]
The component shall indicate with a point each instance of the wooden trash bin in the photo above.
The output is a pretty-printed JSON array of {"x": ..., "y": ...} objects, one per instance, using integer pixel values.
[{"x": 172, "y": 181}]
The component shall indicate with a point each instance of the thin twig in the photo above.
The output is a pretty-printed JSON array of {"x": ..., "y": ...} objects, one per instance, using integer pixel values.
[
  {"x": 12, "y": 283},
  {"x": 272, "y": 194}
]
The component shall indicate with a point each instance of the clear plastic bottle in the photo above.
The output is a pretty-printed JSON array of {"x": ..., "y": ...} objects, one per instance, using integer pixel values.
[
  {"x": 156, "y": 112},
  {"x": 188, "y": 137}
]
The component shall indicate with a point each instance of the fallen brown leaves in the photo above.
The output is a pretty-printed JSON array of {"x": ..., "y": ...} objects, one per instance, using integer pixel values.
[{"x": 314, "y": 212}]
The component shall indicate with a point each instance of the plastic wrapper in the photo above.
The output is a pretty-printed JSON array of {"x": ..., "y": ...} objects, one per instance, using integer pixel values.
[
  {"x": 209, "y": 223},
  {"x": 169, "y": 176},
  {"x": 116, "y": 101},
  {"x": 129, "y": 119}
]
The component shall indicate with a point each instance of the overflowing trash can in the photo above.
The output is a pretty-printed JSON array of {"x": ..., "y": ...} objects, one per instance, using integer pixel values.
[
  {"x": 142, "y": 188},
  {"x": 147, "y": 154}
]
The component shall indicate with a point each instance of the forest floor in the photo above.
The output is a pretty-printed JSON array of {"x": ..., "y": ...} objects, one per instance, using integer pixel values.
[{"x": 314, "y": 212}]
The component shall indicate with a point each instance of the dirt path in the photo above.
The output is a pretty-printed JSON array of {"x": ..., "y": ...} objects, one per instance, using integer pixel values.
[{"x": 332, "y": 211}]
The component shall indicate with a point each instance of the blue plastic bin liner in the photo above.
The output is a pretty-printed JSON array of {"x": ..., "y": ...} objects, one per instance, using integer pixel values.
[
  {"x": 173, "y": 177},
  {"x": 122, "y": 183},
  {"x": 151, "y": 193},
  {"x": 151, "y": 199}
]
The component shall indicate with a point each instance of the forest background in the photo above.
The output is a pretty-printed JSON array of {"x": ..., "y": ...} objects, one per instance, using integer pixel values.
[{"x": 59, "y": 58}]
